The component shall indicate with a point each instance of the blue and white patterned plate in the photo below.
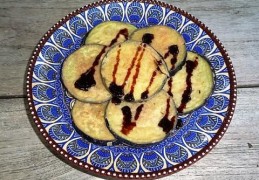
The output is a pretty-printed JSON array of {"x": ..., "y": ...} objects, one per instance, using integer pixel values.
[{"x": 50, "y": 104}]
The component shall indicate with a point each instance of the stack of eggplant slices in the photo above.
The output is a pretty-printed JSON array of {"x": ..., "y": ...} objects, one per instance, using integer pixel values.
[{"x": 130, "y": 84}]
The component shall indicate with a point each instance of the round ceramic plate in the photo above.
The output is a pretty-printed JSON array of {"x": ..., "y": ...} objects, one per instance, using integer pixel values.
[{"x": 50, "y": 104}]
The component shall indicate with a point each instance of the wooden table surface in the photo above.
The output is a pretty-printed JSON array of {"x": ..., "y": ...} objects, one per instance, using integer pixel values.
[{"x": 24, "y": 156}]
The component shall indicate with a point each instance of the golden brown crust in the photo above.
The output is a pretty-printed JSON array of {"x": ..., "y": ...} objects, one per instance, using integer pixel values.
[
  {"x": 105, "y": 32},
  {"x": 89, "y": 118},
  {"x": 77, "y": 64},
  {"x": 148, "y": 128},
  {"x": 201, "y": 83},
  {"x": 161, "y": 38},
  {"x": 136, "y": 67}
]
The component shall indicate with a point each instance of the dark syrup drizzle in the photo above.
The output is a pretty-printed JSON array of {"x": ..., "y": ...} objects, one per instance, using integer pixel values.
[
  {"x": 131, "y": 65},
  {"x": 170, "y": 83},
  {"x": 129, "y": 97},
  {"x": 116, "y": 65},
  {"x": 190, "y": 66},
  {"x": 179, "y": 124},
  {"x": 86, "y": 80},
  {"x": 117, "y": 90},
  {"x": 174, "y": 51},
  {"x": 127, "y": 125},
  {"x": 144, "y": 95},
  {"x": 165, "y": 123},
  {"x": 138, "y": 111},
  {"x": 159, "y": 62},
  {"x": 147, "y": 38},
  {"x": 116, "y": 100}
]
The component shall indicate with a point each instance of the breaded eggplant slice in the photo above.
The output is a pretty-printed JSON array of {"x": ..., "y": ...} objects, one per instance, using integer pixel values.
[
  {"x": 89, "y": 119},
  {"x": 110, "y": 33},
  {"x": 192, "y": 85},
  {"x": 166, "y": 41},
  {"x": 81, "y": 74},
  {"x": 133, "y": 71},
  {"x": 142, "y": 123}
]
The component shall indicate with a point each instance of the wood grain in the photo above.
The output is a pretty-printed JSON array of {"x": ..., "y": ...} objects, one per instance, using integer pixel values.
[
  {"x": 24, "y": 156},
  {"x": 23, "y": 23}
]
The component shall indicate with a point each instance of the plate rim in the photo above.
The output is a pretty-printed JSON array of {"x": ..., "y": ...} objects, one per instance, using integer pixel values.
[{"x": 74, "y": 162}]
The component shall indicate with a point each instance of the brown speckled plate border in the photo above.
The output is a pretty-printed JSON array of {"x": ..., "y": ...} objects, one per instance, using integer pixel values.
[{"x": 108, "y": 174}]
